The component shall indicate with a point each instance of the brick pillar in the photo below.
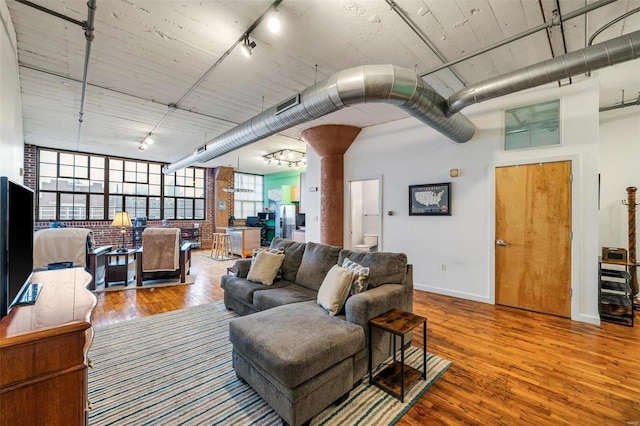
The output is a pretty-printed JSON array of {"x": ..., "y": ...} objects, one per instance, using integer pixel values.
[
  {"x": 224, "y": 179},
  {"x": 330, "y": 142}
]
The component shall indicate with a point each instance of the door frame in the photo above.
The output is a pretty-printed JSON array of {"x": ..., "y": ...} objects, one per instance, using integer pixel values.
[
  {"x": 576, "y": 222},
  {"x": 347, "y": 239}
]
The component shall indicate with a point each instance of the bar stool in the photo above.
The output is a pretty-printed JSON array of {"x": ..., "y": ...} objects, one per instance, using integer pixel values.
[
  {"x": 215, "y": 245},
  {"x": 221, "y": 247},
  {"x": 226, "y": 251}
]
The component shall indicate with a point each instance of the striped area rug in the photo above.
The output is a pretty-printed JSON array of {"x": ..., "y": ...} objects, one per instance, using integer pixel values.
[{"x": 175, "y": 369}]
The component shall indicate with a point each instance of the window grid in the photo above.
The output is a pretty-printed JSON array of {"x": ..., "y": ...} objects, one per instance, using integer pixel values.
[
  {"x": 75, "y": 186},
  {"x": 248, "y": 203}
]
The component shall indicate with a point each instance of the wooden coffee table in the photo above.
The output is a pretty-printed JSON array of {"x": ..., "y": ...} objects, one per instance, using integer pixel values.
[{"x": 397, "y": 377}]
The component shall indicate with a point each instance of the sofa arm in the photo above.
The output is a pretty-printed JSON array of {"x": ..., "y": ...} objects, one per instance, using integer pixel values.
[
  {"x": 369, "y": 304},
  {"x": 241, "y": 268},
  {"x": 362, "y": 307}
]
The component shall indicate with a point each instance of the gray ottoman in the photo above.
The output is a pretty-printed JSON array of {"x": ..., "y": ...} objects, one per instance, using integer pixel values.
[{"x": 297, "y": 357}]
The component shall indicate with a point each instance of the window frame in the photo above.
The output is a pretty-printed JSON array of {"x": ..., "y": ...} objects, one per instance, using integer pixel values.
[{"x": 148, "y": 173}]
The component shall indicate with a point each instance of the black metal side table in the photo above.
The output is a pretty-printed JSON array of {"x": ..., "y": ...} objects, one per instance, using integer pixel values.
[{"x": 397, "y": 377}]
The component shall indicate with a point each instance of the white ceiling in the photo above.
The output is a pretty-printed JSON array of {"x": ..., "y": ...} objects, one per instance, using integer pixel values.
[{"x": 149, "y": 54}]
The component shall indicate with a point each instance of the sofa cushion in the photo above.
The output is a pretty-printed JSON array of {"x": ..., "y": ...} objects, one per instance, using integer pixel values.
[
  {"x": 335, "y": 289},
  {"x": 384, "y": 267},
  {"x": 293, "y": 252},
  {"x": 360, "y": 280},
  {"x": 271, "y": 298},
  {"x": 243, "y": 289},
  {"x": 295, "y": 342},
  {"x": 265, "y": 267},
  {"x": 316, "y": 262}
]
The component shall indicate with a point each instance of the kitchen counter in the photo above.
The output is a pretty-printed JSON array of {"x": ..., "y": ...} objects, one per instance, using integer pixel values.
[{"x": 243, "y": 239}]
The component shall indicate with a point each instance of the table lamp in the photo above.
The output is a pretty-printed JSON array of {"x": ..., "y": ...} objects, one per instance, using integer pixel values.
[{"x": 124, "y": 220}]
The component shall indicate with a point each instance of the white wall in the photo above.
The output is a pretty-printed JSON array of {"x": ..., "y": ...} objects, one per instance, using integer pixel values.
[
  {"x": 407, "y": 152},
  {"x": 619, "y": 169},
  {"x": 11, "y": 135},
  {"x": 312, "y": 199}
]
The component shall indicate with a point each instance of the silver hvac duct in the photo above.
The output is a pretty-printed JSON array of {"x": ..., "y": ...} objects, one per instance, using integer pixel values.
[
  {"x": 611, "y": 52},
  {"x": 364, "y": 84}
]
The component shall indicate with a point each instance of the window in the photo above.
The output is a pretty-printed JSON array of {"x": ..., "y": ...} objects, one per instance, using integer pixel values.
[
  {"x": 75, "y": 186},
  {"x": 249, "y": 202},
  {"x": 184, "y": 194},
  {"x": 70, "y": 186},
  {"x": 532, "y": 126}
]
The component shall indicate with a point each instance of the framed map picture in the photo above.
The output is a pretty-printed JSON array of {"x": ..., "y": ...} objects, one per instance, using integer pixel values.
[{"x": 431, "y": 199}]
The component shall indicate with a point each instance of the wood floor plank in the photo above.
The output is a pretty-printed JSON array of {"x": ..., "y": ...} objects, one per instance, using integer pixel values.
[{"x": 511, "y": 367}]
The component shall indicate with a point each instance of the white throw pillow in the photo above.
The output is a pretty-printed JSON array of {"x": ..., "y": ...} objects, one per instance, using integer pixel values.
[
  {"x": 265, "y": 267},
  {"x": 335, "y": 289}
]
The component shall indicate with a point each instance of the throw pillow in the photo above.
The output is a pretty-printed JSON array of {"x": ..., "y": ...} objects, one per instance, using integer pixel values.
[
  {"x": 270, "y": 250},
  {"x": 265, "y": 267},
  {"x": 360, "y": 276},
  {"x": 334, "y": 290}
]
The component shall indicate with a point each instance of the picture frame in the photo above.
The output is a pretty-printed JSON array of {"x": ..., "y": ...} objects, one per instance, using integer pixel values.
[{"x": 430, "y": 199}]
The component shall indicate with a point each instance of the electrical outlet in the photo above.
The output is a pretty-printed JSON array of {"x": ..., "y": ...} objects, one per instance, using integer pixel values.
[{"x": 443, "y": 267}]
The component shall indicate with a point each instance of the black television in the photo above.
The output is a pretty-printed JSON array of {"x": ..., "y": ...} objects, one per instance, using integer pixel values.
[
  {"x": 253, "y": 221},
  {"x": 16, "y": 245}
]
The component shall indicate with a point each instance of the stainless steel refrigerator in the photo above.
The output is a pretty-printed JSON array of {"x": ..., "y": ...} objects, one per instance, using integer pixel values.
[{"x": 285, "y": 220}]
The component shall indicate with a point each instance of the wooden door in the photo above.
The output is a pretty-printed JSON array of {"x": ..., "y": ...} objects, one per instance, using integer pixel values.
[{"x": 533, "y": 237}]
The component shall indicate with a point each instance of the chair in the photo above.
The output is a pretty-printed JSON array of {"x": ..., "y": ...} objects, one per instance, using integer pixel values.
[
  {"x": 56, "y": 248},
  {"x": 162, "y": 256}
]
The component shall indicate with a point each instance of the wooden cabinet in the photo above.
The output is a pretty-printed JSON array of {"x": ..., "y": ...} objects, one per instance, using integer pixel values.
[
  {"x": 43, "y": 353},
  {"x": 615, "y": 296}
]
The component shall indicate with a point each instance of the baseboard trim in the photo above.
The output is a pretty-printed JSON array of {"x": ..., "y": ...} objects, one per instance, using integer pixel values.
[{"x": 458, "y": 294}]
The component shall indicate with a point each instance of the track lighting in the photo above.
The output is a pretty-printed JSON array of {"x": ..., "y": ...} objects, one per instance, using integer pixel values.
[
  {"x": 290, "y": 157},
  {"x": 273, "y": 23},
  {"x": 247, "y": 46},
  {"x": 149, "y": 139}
]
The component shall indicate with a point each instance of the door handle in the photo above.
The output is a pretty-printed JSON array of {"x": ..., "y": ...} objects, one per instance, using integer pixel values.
[{"x": 502, "y": 243}]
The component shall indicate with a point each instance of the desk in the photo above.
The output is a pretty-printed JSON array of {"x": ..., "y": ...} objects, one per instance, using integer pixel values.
[
  {"x": 120, "y": 267},
  {"x": 397, "y": 377}
]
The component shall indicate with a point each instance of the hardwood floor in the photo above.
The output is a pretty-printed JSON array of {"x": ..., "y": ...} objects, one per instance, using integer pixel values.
[{"x": 510, "y": 367}]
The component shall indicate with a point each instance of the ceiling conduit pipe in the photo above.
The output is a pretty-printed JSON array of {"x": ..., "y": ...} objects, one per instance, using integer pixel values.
[
  {"x": 88, "y": 34},
  {"x": 611, "y": 52},
  {"x": 353, "y": 86},
  {"x": 549, "y": 24}
]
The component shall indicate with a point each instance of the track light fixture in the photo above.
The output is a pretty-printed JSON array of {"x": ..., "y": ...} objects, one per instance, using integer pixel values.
[
  {"x": 144, "y": 144},
  {"x": 289, "y": 157},
  {"x": 247, "y": 46},
  {"x": 273, "y": 23}
]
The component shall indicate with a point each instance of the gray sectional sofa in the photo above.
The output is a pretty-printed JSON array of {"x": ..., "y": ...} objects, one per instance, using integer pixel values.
[{"x": 289, "y": 349}]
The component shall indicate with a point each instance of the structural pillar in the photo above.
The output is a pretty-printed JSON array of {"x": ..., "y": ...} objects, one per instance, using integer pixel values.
[
  {"x": 330, "y": 142},
  {"x": 223, "y": 201}
]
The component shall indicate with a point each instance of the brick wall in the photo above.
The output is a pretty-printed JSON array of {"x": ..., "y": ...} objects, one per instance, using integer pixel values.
[{"x": 103, "y": 233}]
